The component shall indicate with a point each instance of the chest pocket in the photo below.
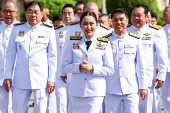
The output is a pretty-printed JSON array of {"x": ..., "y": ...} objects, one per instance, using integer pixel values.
[
  {"x": 147, "y": 44},
  {"x": 20, "y": 39},
  {"x": 42, "y": 41},
  {"x": 129, "y": 50}
]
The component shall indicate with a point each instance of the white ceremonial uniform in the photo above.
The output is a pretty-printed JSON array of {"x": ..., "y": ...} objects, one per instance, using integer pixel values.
[
  {"x": 5, "y": 98},
  {"x": 34, "y": 48},
  {"x": 77, "y": 18},
  {"x": 87, "y": 86},
  {"x": 123, "y": 86},
  {"x": 75, "y": 30},
  {"x": 49, "y": 22},
  {"x": 61, "y": 87},
  {"x": 154, "y": 42},
  {"x": 165, "y": 89}
]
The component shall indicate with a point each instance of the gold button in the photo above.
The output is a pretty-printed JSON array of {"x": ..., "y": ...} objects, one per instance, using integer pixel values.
[
  {"x": 117, "y": 36},
  {"x": 167, "y": 41},
  {"x": 6, "y": 38},
  {"x": 30, "y": 56},
  {"x": 10, "y": 25},
  {"x": 30, "y": 47},
  {"x": 66, "y": 27},
  {"x": 31, "y": 38},
  {"x": 32, "y": 30},
  {"x": 140, "y": 30},
  {"x": 30, "y": 27},
  {"x": 120, "y": 49},
  {"x": 137, "y": 32},
  {"x": 119, "y": 40},
  {"x": 120, "y": 76},
  {"x": 85, "y": 72},
  {"x": 5, "y": 56},
  {"x": 6, "y": 25},
  {"x": 6, "y": 47},
  {"x": 29, "y": 66},
  {"x": 120, "y": 67},
  {"x": 34, "y": 27},
  {"x": 120, "y": 58},
  {"x": 86, "y": 55},
  {"x": 135, "y": 29},
  {"x": 85, "y": 79},
  {"x": 122, "y": 36},
  {"x": 8, "y": 29}
]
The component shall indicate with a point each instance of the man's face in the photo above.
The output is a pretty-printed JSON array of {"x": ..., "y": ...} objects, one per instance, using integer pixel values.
[
  {"x": 68, "y": 15},
  {"x": 93, "y": 9},
  {"x": 104, "y": 20},
  {"x": 120, "y": 22},
  {"x": 33, "y": 15},
  {"x": 148, "y": 18},
  {"x": 79, "y": 9},
  {"x": 153, "y": 21},
  {"x": 138, "y": 18},
  {"x": 58, "y": 23},
  {"x": 166, "y": 15},
  {"x": 9, "y": 12},
  {"x": 45, "y": 16}
]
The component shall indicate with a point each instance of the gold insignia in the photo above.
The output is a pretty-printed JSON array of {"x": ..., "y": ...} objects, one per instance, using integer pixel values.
[
  {"x": 75, "y": 22},
  {"x": 75, "y": 37},
  {"x": 147, "y": 34},
  {"x": 157, "y": 27},
  {"x": 104, "y": 26},
  {"x": 106, "y": 36},
  {"x": 47, "y": 24},
  {"x": 134, "y": 35},
  {"x": 102, "y": 39},
  {"x": 19, "y": 23},
  {"x": 100, "y": 46},
  {"x": 128, "y": 25},
  {"x": 58, "y": 27}
]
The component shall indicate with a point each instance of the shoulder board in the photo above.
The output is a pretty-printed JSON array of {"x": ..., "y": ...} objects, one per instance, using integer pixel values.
[
  {"x": 104, "y": 26},
  {"x": 58, "y": 27},
  {"x": 75, "y": 22},
  {"x": 19, "y": 23},
  {"x": 106, "y": 36},
  {"x": 47, "y": 24},
  {"x": 157, "y": 27},
  {"x": 102, "y": 39},
  {"x": 134, "y": 35},
  {"x": 75, "y": 37},
  {"x": 128, "y": 25},
  {"x": 163, "y": 24}
]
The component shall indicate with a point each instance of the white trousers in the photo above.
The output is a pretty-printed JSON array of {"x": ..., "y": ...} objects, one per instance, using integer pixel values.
[
  {"x": 114, "y": 103},
  {"x": 5, "y": 101},
  {"x": 61, "y": 96},
  {"x": 21, "y": 98},
  {"x": 151, "y": 104},
  {"x": 51, "y": 103},
  {"x": 165, "y": 91},
  {"x": 87, "y": 104}
]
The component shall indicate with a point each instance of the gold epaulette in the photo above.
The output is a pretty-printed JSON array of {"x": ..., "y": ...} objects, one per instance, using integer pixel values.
[
  {"x": 75, "y": 22},
  {"x": 104, "y": 26},
  {"x": 157, "y": 27},
  {"x": 162, "y": 24},
  {"x": 134, "y": 35},
  {"x": 58, "y": 27},
  {"x": 102, "y": 39},
  {"x": 19, "y": 23},
  {"x": 75, "y": 37},
  {"x": 128, "y": 25},
  {"x": 106, "y": 36},
  {"x": 47, "y": 24}
]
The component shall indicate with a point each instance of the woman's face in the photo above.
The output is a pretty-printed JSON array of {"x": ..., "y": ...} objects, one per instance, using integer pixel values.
[{"x": 88, "y": 26}]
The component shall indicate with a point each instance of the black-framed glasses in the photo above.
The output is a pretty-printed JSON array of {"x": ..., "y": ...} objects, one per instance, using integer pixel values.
[{"x": 6, "y": 12}]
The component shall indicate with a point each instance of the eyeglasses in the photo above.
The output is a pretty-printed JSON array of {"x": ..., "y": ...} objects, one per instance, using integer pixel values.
[
  {"x": 6, "y": 12},
  {"x": 33, "y": 12}
]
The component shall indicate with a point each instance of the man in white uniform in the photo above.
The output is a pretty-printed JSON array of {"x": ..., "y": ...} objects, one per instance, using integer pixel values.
[
  {"x": 33, "y": 45},
  {"x": 9, "y": 12},
  {"x": 154, "y": 42},
  {"x": 79, "y": 8},
  {"x": 46, "y": 14}
]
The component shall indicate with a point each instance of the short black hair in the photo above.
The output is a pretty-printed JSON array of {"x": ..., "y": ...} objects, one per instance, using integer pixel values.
[
  {"x": 71, "y": 6},
  {"x": 88, "y": 13},
  {"x": 153, "y": 15},
  {"x": 57, "y": 17},
  {"x": 80, "y": 2},
  {"x": 32, "y": 3},
  {"x": 100, "y": 10},
  {"x": 146, "y": 9},
  {"x": 119, "y": 10},
  {"x": 103, "y": 14}
]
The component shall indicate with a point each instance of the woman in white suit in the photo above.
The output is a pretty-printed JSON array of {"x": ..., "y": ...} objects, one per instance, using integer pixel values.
[{"x": 89, "y": 64}]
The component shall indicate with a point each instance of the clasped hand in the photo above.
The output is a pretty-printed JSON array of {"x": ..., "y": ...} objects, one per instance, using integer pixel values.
[{"x": 85, "y": 66}]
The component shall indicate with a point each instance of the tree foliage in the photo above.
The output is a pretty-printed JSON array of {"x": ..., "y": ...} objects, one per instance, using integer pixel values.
[{"x": 128, "y": 5}]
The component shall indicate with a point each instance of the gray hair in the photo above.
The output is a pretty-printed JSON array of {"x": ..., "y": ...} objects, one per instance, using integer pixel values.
[{"x": 16, "y": 6}]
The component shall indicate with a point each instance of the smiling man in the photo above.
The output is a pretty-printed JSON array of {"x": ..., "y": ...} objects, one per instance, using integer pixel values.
[
  {"x": 33, "y": 46},
  {"x": 9, "y": 13},
  {"x": 154, "y": 43}
]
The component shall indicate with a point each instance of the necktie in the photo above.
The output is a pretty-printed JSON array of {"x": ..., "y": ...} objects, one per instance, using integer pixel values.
[{"x": 88, "y": 44}]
